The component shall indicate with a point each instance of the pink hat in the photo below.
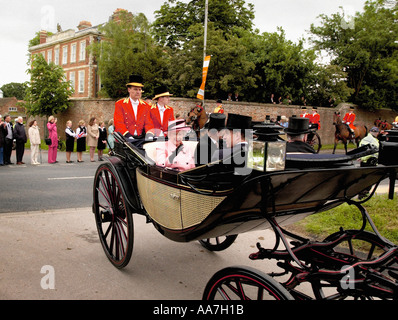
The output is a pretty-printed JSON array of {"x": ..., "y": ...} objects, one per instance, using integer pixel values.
[{"x": 177, "y": 125}]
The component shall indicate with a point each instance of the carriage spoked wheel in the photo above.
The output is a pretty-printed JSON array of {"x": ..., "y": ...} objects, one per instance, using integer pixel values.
[
  {"x": 113, "y": 216},
  {"x": 244, "y": 283},
  {"x": 218, "y": 243},
  {"x": 314, "y": 140}
]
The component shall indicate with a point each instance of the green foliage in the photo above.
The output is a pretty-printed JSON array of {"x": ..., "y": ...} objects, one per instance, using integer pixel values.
[
  {"x": 366, "y": 49},
  {"x": 363, "y": 67},
  {"x": 127, "y": 47},
  {"x": 47, "y": 93},
  {"x": 14, "y": 89},
  {"x": 174, "y": 19}
]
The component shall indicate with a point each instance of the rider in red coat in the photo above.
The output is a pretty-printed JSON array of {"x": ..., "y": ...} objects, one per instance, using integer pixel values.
[{"x": 349, "y": 119}]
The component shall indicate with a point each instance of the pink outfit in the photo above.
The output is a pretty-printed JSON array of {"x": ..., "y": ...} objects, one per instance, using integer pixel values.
[
  {"x": 183, "y": 161},
  {"x": 53, "y": 135}
]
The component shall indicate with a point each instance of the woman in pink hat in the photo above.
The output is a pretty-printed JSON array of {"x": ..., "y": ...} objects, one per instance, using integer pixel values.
[{"x": 174, "y": 154}]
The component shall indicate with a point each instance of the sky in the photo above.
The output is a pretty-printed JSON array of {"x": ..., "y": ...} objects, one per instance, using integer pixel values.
[{"x": 21, "y": 19}]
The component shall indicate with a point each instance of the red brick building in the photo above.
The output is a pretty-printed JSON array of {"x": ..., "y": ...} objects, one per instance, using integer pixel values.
[{"x": 68, "y": 50}]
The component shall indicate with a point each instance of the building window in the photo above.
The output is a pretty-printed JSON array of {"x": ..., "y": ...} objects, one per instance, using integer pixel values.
[
  {"x": 82, "y": 50},
  {"x": 73, "y": 53},
  {"x": 56, "y": 56},
  {"x": 11, "y": 109},
  {"x": 72, "y": 80},
  {"x": 81, "y": 81},
  {"x": 64, "y": 55},
  {"x": 49, "y": 56}
]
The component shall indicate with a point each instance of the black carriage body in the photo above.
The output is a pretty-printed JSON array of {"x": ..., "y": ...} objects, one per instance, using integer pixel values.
[{"x": 212, "y": 201}]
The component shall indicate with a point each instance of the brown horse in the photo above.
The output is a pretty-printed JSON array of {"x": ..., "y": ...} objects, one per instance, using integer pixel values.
[
  {"x": 344, "y": 134},
  {"x": 383, "y": 125},
  {"x": 197, "y": 118}
]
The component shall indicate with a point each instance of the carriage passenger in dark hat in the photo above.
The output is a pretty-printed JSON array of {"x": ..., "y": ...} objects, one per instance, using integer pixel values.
[
  {"x": 296, "y": 132},
  {"x": 209, "y": 143},
  {"x": 235, "y": 140}
]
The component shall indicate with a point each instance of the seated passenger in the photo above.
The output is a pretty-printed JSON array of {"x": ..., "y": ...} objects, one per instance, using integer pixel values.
[
  {"x": 209, "y": 143},
  {"x": 297, "y": 136},
  {"x": 173, "y": 153},
  {"x": 235, "y": 143}
]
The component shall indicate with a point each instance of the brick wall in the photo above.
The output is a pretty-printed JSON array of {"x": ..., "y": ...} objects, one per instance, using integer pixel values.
[{"x": 103, "y": 110}]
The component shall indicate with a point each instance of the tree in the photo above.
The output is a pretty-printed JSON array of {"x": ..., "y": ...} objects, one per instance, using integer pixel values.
[
  {"x": 47, "y": 93},
  {"x": 127, "y": 47},
  {"x": 366, "y": 49},
  {"x": 330, "y": 87},
  {"x": 14, "y": 89},
  {"x": 282, "y": 68},
  {"x": 229, "y": 69},
  {"x": 174, "y": 18}
]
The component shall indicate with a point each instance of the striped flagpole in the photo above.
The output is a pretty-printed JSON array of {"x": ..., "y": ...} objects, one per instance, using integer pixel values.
[{"x": 201, "y": 92}]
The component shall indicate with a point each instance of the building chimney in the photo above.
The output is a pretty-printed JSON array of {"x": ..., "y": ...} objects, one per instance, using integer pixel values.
[
  {"x": 43, "y": 36},
  {"x": 84, "y": 25}
]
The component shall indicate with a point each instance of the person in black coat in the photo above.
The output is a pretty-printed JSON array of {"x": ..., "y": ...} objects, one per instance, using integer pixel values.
[
  {"x": 235, "y": 143},
  {"x": 209, "y": 143},
  {"x": 297, "y": 136},
  {"x": 20, "y": 139},
  {"x": 8, "y": 139},
  {"x": 102, "y": 140},
  {"x": 3, "y": 133}
]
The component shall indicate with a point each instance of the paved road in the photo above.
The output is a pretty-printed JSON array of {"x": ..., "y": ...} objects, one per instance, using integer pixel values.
[{"x": 47, "y": 186}]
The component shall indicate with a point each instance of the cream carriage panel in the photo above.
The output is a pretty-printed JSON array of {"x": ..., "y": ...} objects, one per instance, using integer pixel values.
[{"x": 174, "y": 208}]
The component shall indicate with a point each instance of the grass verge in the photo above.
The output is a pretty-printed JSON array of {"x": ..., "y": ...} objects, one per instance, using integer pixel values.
[{"x": 384, "y": 213}]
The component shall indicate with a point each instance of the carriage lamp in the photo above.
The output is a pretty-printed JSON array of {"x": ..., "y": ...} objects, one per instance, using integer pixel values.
[{"x": 267, "y": 156}]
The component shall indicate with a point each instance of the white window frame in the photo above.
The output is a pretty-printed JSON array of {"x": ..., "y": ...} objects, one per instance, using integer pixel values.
[
  {"x": 72, "y": 79},
  {"x": 65, "y": 55},
  {"x": 49, "y": 56},
  {"x": 82, "y": 75},
  {"x": 82, "y": 52},
  {"x": 73, "y": 52},
  {"x": 56, "y": 56}
]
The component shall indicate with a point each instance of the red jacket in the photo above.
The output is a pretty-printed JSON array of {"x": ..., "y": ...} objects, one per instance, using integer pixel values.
[
  {"x": 168, "y": 115},
  {"x": 315, "y": 118},
  {"x": 125, "y": 120},
  {"x": 349, "y": 118}
]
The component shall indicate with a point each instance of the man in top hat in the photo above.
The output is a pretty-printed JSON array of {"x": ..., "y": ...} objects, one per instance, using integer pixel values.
[
  {"x": 209, "y": 143},
  {"x": 235, "y": 140},
  {"x": 219, "y": 108},
  {"x": 296, "y": 132},
  {"x": 304, "y": 113},
  {"x": 132, "y": 116},
  {"x": 161, "y": 112},
  {"x": 173, "y": 153},
  {"x": 349, "y": 119}
]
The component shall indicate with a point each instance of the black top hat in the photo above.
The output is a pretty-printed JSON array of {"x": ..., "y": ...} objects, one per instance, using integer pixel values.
[
  {"x": 161, "y": 91},
  {"x": 297, "y": 126},
  {"x": 237, "y": 121},
  {"x": 135, "y": 80},
  {"x": 217, "y": 121}
]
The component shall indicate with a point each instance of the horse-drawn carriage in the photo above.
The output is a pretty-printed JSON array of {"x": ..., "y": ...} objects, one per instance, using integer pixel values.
[{"x": 214, "y": 203}]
